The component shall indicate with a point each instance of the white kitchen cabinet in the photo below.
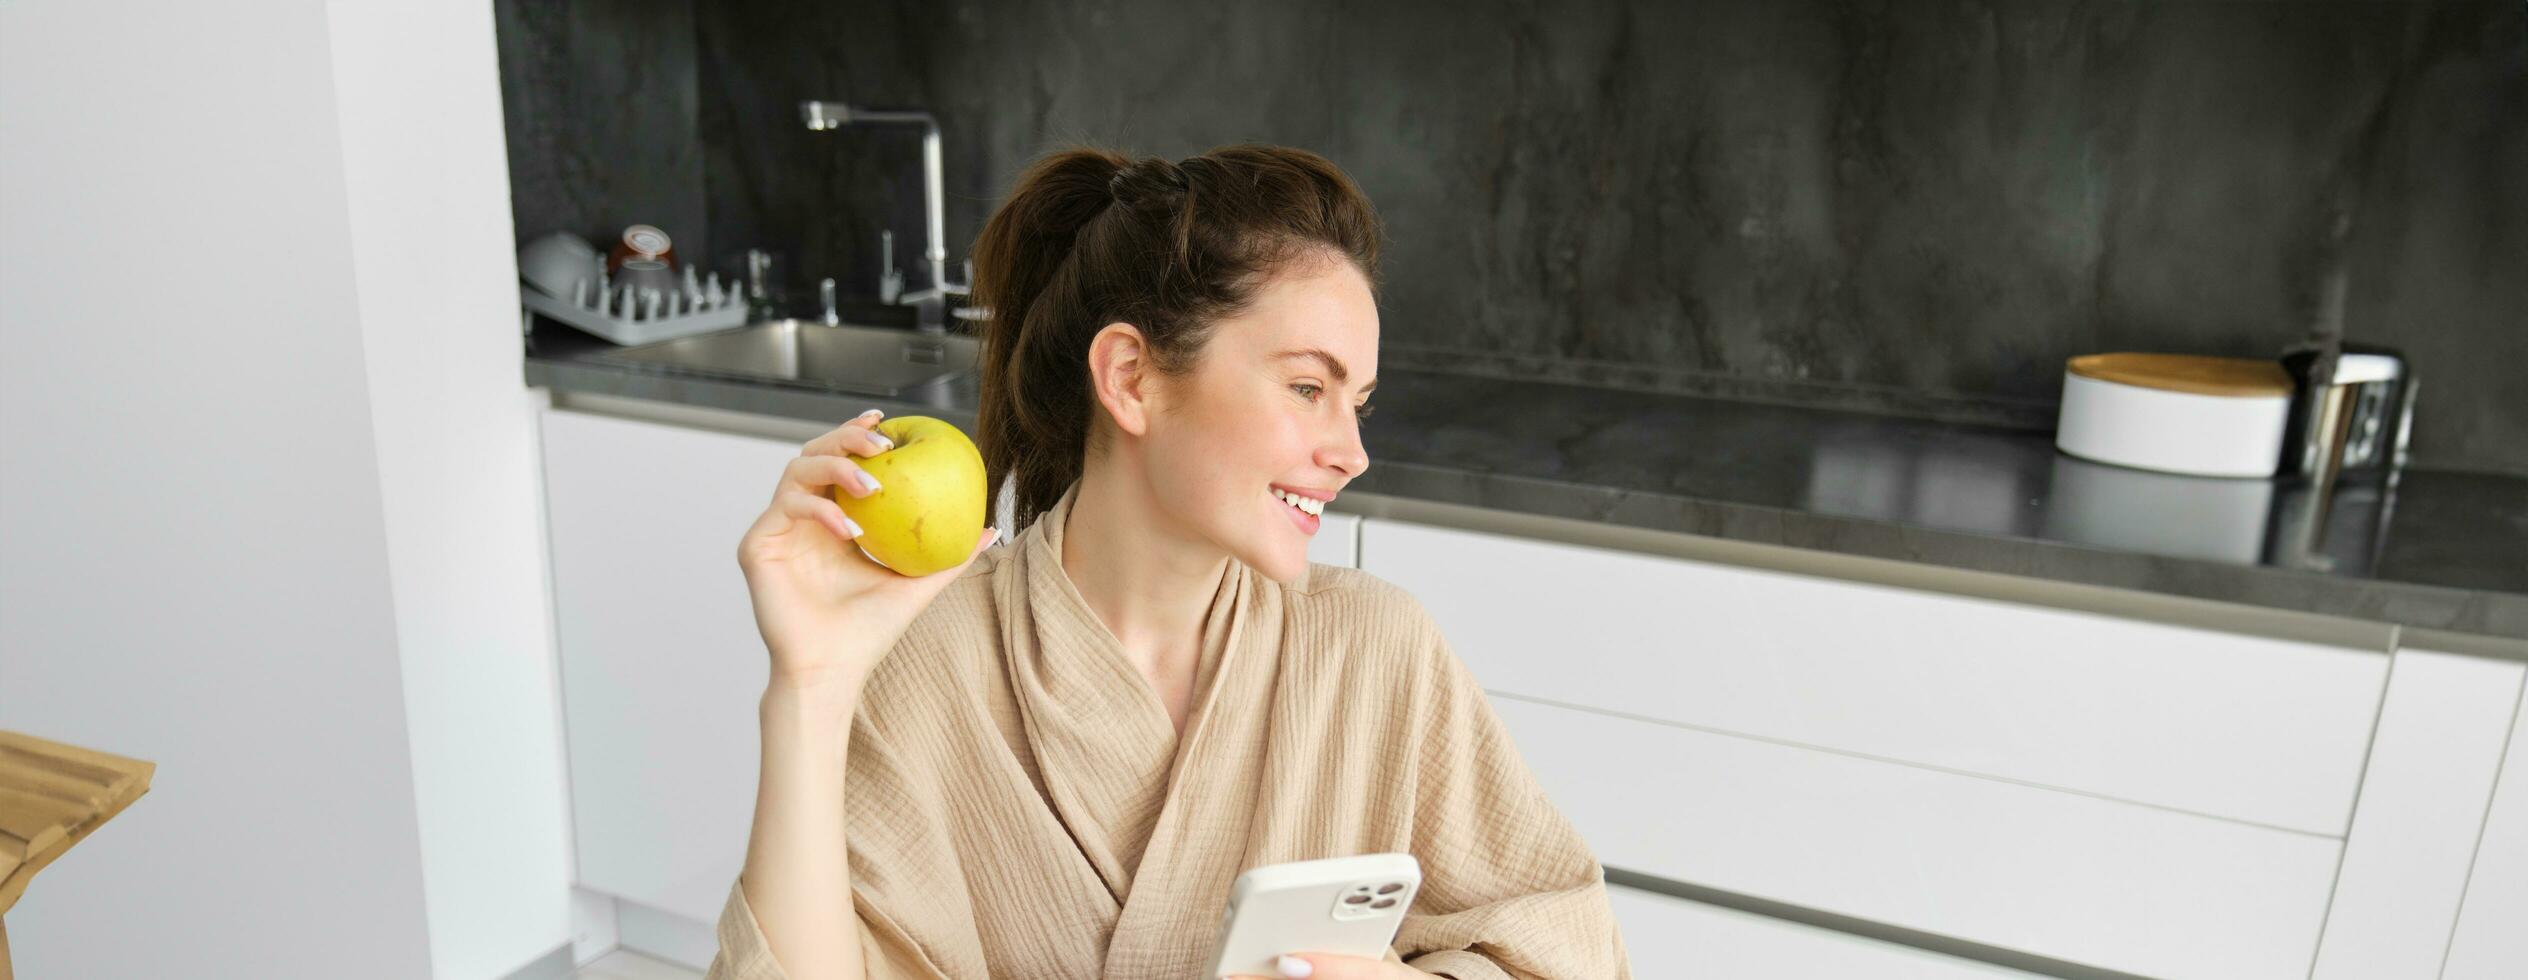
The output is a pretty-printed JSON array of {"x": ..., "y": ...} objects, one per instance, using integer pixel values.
[
  {"x": 2073, "y": 877},
  {"x": 2168, "y": 801},
  {"x": 1669, "y": 938},
  {"x": 1335, "y": 540},
  {"x": 2491, "y": 938},
  {"x": 2423, "y": 805},
  {"x": 2252, "y": 728},
  {"x": 662, "y": 666}
]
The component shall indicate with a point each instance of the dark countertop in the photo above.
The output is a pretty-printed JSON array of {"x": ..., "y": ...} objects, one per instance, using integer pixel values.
[{"x": 2435, "y": 549}]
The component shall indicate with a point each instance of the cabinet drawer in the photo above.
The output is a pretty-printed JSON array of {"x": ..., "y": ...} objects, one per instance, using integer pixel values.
[
  {"x": 1669, "y": 938},
  {"x": 2073, "y": 877},
  {"x": 2265, "y": 730}
]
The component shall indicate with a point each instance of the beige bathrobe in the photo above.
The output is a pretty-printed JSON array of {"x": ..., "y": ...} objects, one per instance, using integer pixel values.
[{"x": 1020, "y": 805}]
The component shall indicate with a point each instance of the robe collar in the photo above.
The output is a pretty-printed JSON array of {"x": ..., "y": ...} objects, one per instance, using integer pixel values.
[{"x": 1114, "y": 769}]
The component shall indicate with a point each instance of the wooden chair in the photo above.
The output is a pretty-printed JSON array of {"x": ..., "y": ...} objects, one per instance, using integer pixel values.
[{"x": 51, "y": 797}]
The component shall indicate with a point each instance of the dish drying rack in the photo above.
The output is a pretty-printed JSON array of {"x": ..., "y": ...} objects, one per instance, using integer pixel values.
[{"x": 633, "y": 315}]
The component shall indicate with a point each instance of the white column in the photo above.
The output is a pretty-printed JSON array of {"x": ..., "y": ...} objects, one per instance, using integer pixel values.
[{"x": 427, "y": 173}]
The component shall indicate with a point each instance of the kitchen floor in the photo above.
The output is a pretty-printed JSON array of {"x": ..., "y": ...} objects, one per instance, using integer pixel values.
[{"x": 624, "y": 964}]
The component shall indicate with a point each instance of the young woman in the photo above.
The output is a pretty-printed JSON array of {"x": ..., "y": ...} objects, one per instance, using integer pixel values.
[{"x": 1054, "y": 759}]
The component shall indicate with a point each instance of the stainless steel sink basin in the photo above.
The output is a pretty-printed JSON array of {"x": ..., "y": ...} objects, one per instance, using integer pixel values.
[{"x": 885, "y": 361}]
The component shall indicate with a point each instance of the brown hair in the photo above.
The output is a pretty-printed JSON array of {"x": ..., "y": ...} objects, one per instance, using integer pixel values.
[{"x": 1089, "y": 237}]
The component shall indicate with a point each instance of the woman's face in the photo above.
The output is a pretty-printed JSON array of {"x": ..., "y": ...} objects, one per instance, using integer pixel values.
[{"x": 1275, "y": 401}]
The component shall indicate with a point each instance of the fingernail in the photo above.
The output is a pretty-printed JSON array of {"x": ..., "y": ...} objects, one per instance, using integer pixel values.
[
  {"x": 869, "y": 413},
  {"x": 867, "y": 482},
  {"x": 883, "y": 442},
  {"x": 853, "y": 525},
  {"x": 1292, "y": 966}
]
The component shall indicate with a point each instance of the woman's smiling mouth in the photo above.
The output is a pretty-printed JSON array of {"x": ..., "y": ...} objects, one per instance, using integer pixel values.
[{"x": 1303, "y": 511}]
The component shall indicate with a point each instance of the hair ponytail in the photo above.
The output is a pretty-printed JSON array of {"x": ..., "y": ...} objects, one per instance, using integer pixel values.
[{"x": 1088, "y": 237}]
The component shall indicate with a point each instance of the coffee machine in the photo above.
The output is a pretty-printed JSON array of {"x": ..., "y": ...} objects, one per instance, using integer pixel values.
[
  {"x": 2343, "y": 447},
  {"x": 2350, "y": 417}
]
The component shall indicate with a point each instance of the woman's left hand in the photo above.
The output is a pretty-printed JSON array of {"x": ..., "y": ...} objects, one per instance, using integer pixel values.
[{"x": 1327, "y": 966}]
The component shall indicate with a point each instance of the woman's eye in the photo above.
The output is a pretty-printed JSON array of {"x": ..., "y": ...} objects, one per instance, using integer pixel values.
[{"x": 1362, "y": 412}]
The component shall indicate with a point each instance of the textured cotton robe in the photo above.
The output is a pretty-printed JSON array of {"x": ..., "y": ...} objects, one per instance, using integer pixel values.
[{"x": 1019, "y": 803}]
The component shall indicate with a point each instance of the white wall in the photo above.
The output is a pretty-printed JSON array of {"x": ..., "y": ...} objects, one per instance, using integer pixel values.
[
  {"x": 419, "y": 90},
  {"x": 266, "y": 492}
]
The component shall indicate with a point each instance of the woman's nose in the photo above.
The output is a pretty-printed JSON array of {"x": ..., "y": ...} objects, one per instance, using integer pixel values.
[{"x": 1345, "y": 452}]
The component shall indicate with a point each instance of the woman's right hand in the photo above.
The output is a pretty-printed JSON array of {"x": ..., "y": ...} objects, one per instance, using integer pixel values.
[{"x": 827, "y": 612}]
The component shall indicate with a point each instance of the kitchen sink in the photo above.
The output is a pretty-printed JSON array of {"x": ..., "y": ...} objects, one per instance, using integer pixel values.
[{"x": 885, "y": 361}]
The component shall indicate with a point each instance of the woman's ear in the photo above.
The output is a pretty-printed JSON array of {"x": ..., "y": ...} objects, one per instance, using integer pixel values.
[{"x": 1120, "y": 376}]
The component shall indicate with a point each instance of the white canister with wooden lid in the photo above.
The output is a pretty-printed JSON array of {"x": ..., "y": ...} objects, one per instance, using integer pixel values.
[{"x": 2175, "y": 413}]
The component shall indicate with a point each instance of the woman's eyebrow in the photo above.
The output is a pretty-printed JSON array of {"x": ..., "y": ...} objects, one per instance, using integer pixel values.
[{"x": 1333, "y": 366}]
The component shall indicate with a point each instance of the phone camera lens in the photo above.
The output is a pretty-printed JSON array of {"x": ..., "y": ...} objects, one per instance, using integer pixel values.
[
  {"x": 1382, "y": 903},
  {"x": 1390, "y": 888},
  {"x": 1354, "y": 899}
]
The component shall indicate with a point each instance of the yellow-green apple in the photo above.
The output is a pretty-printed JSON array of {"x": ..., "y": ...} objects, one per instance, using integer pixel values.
[{"x": 931, "y": 500}]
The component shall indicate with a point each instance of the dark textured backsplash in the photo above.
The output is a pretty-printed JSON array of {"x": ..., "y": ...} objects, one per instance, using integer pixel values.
[
  {"x": 1918, "y": 207},
  {"x": 600, "y": 101}
]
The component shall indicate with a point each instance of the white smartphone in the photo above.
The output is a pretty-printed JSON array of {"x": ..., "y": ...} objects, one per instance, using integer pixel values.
[{"x": 1350, "y": 906}]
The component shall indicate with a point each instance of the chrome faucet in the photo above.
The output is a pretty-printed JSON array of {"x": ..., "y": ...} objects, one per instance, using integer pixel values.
[{"x": 930, "y": 303}]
